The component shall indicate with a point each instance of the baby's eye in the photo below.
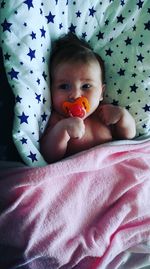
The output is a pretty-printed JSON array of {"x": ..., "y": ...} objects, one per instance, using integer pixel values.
[
  {"x": 86, "y": 86},
  {"x": 64, "y": 86}
]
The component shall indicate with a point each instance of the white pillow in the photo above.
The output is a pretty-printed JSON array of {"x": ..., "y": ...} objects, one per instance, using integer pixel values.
[{"x": 118, "y": 30}]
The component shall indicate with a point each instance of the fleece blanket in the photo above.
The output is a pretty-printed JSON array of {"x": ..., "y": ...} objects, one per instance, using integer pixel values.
[{"x": 81, "y": 213}]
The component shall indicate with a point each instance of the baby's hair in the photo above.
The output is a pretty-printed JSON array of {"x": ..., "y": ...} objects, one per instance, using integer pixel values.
[{"x": 70, "y": 48}]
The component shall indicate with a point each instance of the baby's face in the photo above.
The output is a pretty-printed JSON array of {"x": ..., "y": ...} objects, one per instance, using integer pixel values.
[{"x": 73, "y": 80}]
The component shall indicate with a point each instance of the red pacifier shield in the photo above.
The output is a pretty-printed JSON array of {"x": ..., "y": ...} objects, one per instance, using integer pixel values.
[{"x": 78, "y": 108}]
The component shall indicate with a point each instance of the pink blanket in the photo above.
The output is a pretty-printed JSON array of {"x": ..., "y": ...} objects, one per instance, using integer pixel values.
[{"x": 81, "y": 213}]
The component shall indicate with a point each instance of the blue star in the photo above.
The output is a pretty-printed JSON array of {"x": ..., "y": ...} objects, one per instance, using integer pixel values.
[
  {"x": 13, "y": 74},
  {"x": 147, "y": 25},
  {"x": 60, "y": 26},
  {"x": 106, "y": 22},
  {"x": 31, "y": 54},
  {"x": 18, "y": 99},
  {"x": 92, "y": 11},
  {"x": 78, "y": 14},
  {"x": 23, "y": 118},
  {"x": 109, "y": 52},
  {"x": 7, "y": 56},
  {"x": 33, "y": 35},
  {"x": 44, "y": 100},
  {"x": 72, "y": 28},
  {"x": 100, "y": 35},
  {"x": 115, "y": 102},
  {"x": 42, "y": 32},
  {"x": 44, "y": 75},
  {"x": 126, "y": 60},
  {"x": 128, "y": 41},
  {"x": 141, "y": 44},
  {"x": 133, "y": 88},
  {"x": 140, "y": 58},
  {"x": 121, "y": 72},
  {"x": 144, "y": 126},
  {"x": 122, "y": 3},
  {"x": 44, "y": 117},
  {"x": 140, "y": 4},
  {"x": 32, "y": 156},
  {"x": 84, "y": 35},
  {"x": 146, "y": 108},
  {"x": 6, "y": 26},
  {"x": 29, "y": 3},
  {"x": 38, "y": 97},
  {"x": 38, "y": 81},
  {"x": 3, "y": 4},
  {"x": 23, "y": 141},
  {"x": 50, "y": 18},
  {"x": 134, "y": 28},
  {"x": 120, "y": 18}
]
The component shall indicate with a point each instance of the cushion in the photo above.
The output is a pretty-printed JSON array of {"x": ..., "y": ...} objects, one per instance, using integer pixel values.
[{"x": 118, "y": 30}]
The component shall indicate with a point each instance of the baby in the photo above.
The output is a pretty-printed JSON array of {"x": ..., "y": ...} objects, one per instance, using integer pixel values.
[{"x": 78, "y": 120}]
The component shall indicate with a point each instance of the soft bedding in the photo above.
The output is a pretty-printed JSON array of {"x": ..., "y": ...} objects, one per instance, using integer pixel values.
[
  {"x": 91, "y": 211},
  {"x": 117, "y": 30}
]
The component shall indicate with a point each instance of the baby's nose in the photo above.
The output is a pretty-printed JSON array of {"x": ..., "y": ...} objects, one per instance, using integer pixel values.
[{"x": 75, "y": 93}]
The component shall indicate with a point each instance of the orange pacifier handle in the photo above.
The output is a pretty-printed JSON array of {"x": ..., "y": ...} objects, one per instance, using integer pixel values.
[{"x": 78, "y": 108}]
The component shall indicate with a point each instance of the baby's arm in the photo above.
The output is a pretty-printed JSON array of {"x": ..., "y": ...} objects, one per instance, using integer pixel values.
[
  {"x": 54, "y": 142},
  {"x": 121, "y": 121}
]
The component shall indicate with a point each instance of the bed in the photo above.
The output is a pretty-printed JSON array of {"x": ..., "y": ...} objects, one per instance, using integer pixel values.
[{"x": 91, "y": 210}]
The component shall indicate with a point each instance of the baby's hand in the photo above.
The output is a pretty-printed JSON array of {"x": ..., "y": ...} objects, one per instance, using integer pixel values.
[
  {"x": 75, "y": 127},
  {"x": 110, "y": 114}
]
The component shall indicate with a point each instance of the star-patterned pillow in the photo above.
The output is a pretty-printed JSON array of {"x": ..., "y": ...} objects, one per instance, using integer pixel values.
[{"x": 118, "y": 30}]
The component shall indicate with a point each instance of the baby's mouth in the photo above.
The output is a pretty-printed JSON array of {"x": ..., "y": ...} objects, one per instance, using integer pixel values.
[{"x": 78, "y": 108}]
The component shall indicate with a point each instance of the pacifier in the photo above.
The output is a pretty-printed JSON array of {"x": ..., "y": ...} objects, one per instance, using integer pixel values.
[{"x": 78, "y": 108}]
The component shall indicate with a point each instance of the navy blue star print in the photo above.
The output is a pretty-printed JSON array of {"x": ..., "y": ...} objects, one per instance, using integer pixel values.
[
  {"x": 72, "y": 28},
  {"x": 42, "y": 32},
  {"x": 3, "y": 4},
  {"x": 33, "y": 35},
  {"x": 32, "y": 156},
  {"x": 92, "y": 11},
  {"x": 140, "y": 4},
  {"x": 18, "y": 99},
  {"x": 23, "y": 118},
  {"x": 128, "y": 41},
  {"x": 109, "y": 52},
  {"x": 29, "y": 4},
  {"x": 78, "y": 14},
  {"x": 6, "y": 26},
  {"x": 44, "y": 117},
  {"x": 147, "y": 25},
  {"x": 146, "y": 108},
  {"x": 38, "y": 97},
  {"x": 133, "y": 88},
  {"x": 31, "y": 54},
  {"x": 23, "y": 141},
  {"x": 140, "y": 57},
  {"x": 7, "y": 56},
  {"x": 120, "y": 19},
  {"x": 50, "y": 18},
  {"x": 13, "y": 74},
  {"x": 100, "y": 35}
]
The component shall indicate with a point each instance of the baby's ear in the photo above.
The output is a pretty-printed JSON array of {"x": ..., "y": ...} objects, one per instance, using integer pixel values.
[{"x": 103, "y": 89}]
